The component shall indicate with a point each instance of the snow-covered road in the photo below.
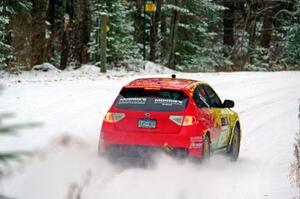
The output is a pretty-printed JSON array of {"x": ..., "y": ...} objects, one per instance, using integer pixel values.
[{"x": 68, "y": 167}]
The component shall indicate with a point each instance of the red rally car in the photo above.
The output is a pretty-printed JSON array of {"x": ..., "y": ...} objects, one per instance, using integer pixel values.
[{"x": 180, "y": 116}]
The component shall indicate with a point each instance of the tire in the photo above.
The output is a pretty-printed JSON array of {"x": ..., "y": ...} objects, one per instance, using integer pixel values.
[
  {"x": 235, "y": 144},
  {"x": 206, "y": 150}
]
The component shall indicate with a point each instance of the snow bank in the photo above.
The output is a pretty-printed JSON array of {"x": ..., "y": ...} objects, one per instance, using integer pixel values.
[
  {"x": 48, "y": 73},
  {"x": 153, "y": 68},
  {"x": 45, "y": 67}
]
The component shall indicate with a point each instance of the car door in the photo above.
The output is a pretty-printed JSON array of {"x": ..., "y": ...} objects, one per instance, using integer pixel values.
[
  {"x": 221, "y": 118},
  {"x": 204, "y": 114}
]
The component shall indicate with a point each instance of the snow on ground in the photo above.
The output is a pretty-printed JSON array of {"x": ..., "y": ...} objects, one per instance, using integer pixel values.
[{"x": 70, "y": 106}]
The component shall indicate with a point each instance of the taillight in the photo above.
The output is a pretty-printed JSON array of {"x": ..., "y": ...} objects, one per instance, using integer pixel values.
[
  {"x": 118, "y": 116},
  {"x": 188, "y": 120},
  {"x": 108, "y": 117},
  {"x": 176, "y": 119},
  {"x": 113, "y": 117},
  {"x": 182, "y": 120}
]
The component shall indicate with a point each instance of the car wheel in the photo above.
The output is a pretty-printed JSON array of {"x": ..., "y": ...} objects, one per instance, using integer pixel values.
[
  {"x": 235, "y": 144},
  {"x": 206, "y": 148}
]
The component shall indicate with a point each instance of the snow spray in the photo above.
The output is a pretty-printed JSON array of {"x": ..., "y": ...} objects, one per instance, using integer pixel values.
[{"x": 299, "y": 113}]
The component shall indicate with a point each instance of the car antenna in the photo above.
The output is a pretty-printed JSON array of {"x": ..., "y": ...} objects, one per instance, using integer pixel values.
[{"x": 173, "y": 76}]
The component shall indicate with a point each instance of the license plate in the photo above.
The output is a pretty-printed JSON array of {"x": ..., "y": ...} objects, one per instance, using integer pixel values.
[{"x": 147, "y": 123}]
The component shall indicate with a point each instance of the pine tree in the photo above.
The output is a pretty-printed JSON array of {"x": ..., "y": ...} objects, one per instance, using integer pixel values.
[
  {"x": 80, "y": 34},
  {"x": 7, "y": 10},
  {"x": 228, "y": 23},
  {"x": 38, "y": 35},
  {"x": 267, "y": 26},
  {"x": 6, "y": 51},
  {"x": 120, "y": 40},
  {"x": 293, "y": 46},
  {"x": 5, "y": 130},
  {"x": 5, "y": 156},
  {"x": 155, "y": 19},
  {"x": 194, "y": 50}
]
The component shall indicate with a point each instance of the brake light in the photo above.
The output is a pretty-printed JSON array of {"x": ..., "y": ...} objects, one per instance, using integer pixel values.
[
  {"x": 182, "y": 120},
  {"x": 188, "y": 120},
  {"x": 152, "y": 88},
  {"x": 108, "y": 117},
  {"x": 113, "y": 117}
]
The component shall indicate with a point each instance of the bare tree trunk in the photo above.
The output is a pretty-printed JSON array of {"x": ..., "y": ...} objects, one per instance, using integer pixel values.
[
  {"x": 251, "y": 26},
  {"x": 138, "y": 22},
  {"x": 80, "y": 31},
  {"x": 267, "y": 25},
  {"x": 65, "y": 50},
  {"x": 154, "y": 31},
  {"x": 228, "y": 23},
  {"x": 7, "y": 38},
  {"x": 86, "y": 28},
  {"x": 103, "y": 42},
  {"x": 164, "y": 42},
  {"x": 38, "y": 14},
  {"x": 251, "y": 23},
  {"x": 50, "y": 48},
  {"x": 67, "y": 26},
  {"x": 19, "y": 37},
  {"x": 175, "y": 20},
  {"x": 77, "y": 32}
]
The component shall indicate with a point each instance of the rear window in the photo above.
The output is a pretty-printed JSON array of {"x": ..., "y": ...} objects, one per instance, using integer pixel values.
[{"x": 151, "y": 100}]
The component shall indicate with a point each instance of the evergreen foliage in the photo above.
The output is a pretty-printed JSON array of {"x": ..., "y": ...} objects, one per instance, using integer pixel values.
[
  {"x": 195, "y": 50},
  {"x": 293, "y": 45},
  {"x": 120, "y": 41},
  {"x": 5, "y": 156},
  {"x": 6, "y": 52},
  {"x": 260, "y": 57},
  {"x": 10, "y": 130},
  {"x": 6, "y": 130},
  {"x": 7, "y": 9},
  {"x": 194, "y": 35}
]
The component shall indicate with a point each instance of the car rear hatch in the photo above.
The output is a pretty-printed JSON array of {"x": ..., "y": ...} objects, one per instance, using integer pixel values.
[{"x": 143, "y": 110}]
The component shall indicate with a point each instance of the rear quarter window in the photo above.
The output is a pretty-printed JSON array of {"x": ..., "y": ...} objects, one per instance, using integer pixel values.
[{"x": 151, "y": 100}]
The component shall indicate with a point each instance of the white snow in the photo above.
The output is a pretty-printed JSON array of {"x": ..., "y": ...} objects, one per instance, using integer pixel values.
[
  {"x": 45, "y": 67},
  {"x": 70, "y": 105}
]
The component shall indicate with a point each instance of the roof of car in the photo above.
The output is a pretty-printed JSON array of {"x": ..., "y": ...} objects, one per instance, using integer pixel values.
[{"x": 166, "y": 83}]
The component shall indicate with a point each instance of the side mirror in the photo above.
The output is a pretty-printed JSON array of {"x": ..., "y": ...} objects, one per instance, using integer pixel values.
[{"x": 228, "y": 104}]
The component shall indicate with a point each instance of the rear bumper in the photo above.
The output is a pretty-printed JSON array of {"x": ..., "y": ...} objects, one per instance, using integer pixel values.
[{"x": 183, "y": 141}]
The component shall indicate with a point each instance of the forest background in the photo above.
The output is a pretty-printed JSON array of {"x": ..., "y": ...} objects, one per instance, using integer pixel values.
[{"x": 185, "y": 35}]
